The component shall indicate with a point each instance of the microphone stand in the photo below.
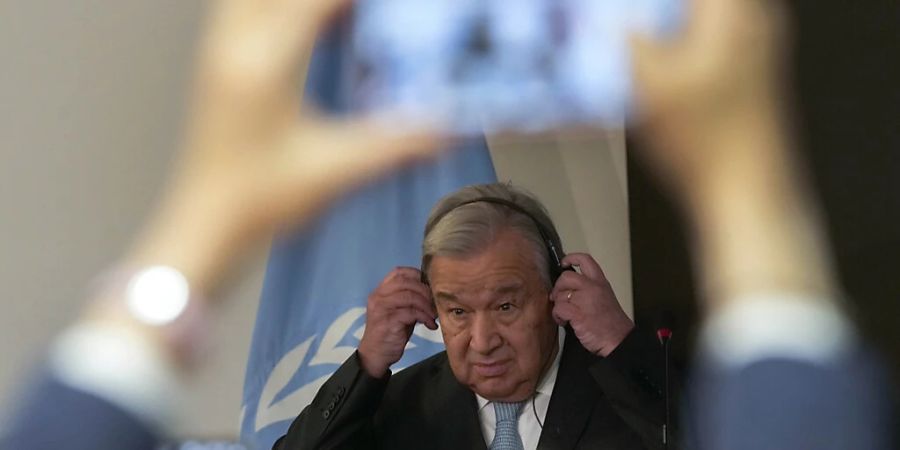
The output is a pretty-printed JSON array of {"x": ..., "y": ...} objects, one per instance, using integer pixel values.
[{"x": 665, "y": 334}]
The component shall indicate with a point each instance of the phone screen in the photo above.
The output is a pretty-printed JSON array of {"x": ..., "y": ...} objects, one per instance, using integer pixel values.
[{"x": 501, "y": 65}]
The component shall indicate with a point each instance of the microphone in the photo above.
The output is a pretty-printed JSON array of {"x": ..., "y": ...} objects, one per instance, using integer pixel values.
[
  {"x": 666, "y": 324},
  {"x": 664, "y": 334}
]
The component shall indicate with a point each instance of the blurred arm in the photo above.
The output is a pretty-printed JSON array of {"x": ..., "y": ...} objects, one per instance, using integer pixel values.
[
  {"x": 779, "y": 366},
  {"x": 250, "y": 164},
  {"x": 713, "y": 106}
]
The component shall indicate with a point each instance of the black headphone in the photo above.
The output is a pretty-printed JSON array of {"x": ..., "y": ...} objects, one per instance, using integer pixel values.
[{"x": 555, "y": 261}]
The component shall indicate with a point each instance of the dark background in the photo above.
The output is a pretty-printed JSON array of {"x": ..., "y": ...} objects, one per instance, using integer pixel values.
[{"x": 846, "y": 78}]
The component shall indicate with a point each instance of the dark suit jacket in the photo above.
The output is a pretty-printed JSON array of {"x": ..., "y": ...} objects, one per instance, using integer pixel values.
[
  {"x": 55, "y": 416},
  {"x": 610, "y": 403}
]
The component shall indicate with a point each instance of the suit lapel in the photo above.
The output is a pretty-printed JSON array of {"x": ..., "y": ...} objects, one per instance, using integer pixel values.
[
  {"x": 457, "y": 408},
  {"x": 573, "y": 400}
]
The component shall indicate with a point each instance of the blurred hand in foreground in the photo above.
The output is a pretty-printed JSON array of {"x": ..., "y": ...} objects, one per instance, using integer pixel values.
[
  {"x": 717, "y": 131},
  {"x": 712, "y": 111},
  {"x": 697, "y": 91},
  {"x": 252, "y": 161}
]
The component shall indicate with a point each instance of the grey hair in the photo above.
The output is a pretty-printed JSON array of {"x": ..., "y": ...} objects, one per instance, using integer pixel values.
[{"x": 459, "y": 231}]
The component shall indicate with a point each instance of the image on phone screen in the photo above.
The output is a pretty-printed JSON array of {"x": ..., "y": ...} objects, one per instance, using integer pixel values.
[{"x": 500, "y": 65}]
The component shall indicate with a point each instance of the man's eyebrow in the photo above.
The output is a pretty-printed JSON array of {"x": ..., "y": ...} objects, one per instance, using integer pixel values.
[
  {"x": 446, "y": 296},
  {"x": 509, "y": 288}
]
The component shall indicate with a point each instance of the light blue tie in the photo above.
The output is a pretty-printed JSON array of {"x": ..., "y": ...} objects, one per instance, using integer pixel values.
[{"x": 506, "y": 435}]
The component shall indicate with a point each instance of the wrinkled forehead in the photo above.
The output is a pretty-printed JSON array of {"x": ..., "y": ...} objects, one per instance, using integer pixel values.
[
  {"x": 486, "y": 288},
  {"x": 483, "y": 286}
]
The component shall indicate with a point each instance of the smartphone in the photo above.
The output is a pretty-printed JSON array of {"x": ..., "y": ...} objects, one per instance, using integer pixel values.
[{"x": 500, "y": 65}]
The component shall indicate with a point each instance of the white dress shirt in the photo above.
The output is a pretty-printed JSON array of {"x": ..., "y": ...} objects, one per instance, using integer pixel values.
[{"x": 533, "y": 413}]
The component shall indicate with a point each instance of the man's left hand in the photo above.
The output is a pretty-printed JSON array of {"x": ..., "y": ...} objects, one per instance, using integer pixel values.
[{"x": 586, "y": 302}]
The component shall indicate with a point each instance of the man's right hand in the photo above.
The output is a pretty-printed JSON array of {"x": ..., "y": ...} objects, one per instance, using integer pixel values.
[{"x": 393, "y": 309}]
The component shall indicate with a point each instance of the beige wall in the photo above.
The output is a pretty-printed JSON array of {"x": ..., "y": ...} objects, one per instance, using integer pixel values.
[
  {"x": 582, "y": 180},
  {"x": 90, "y": 101}
]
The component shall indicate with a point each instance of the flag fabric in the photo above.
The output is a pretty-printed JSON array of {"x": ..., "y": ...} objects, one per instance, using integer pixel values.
[{"x": 312, "y": 307}]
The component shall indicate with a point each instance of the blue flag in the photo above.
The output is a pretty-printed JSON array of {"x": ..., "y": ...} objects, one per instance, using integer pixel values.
[{"x": 312, "y": 309}]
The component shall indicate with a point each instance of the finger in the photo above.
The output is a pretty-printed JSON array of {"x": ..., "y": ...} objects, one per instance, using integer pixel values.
[
  {"x": 400, "y": 272},
  {"x": 552, "y": 296},
  {"x": 362, "y": 151},
  {"x": 697, "y": 11},
  {"x": 560, "y": 295},
  {"x": 427, "y": 314},
  {"x": 402, "y": 318},
  {"x": 559, "y": 320},
  {"x": 320, "y": 11},
  {"x": 408, "y": 299},
  {"x": 570, "y": 281},
  {"x": 564, "y": 312},
  {"x": 424, "y": 318},
  {"x": 408, "y": 317},
  {"x": 647, "y": 58},
  {"x": 403, "y": 273},
  {"x": 699, "y": 14},
  {"x": 586, "y": 263},
  {"x": 302, "y": 20},
  {"x": 411, "y": 273},
  {"x": 324, "y": 160},
  {"x": 397, "y": 286},
  {"x": 258, "y": 48}
]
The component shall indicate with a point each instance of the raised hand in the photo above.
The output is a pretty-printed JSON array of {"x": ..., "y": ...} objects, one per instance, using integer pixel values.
[
  {"x": 393, "y": 309},
  {"x": 252, "y": 161},
  {"x": 586, "y": 302},
  {"x": 713, "y": 108},
  {"x": 699, "y": 93}
]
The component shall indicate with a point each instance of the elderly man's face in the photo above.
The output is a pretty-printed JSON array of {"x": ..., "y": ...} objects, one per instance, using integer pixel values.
[{"x": 495, "y": 315}]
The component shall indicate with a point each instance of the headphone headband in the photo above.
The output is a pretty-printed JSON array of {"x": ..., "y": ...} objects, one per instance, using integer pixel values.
[{"x": 555, "y": 261}]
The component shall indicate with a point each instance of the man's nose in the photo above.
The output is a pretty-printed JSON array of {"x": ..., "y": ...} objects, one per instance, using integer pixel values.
[{"x": 485, "y": 336}]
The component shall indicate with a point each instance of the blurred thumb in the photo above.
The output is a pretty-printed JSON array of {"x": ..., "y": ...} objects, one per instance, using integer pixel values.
[
  {"x": 361, "y": 151},
  {"x": 646, "y": 59}
]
